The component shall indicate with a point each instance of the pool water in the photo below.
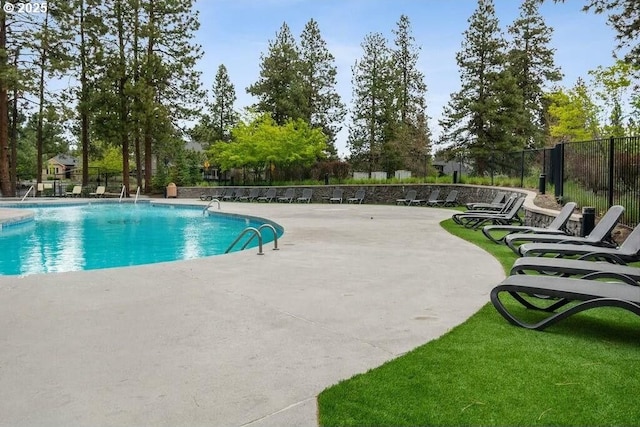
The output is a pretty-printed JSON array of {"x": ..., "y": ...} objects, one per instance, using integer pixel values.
[{"x": 95, "y": 236}]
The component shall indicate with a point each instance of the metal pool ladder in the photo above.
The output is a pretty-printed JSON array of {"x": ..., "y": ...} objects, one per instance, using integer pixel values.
[
  {"x": 255, "y": 232},
  {"x": 209, "y": 205}
]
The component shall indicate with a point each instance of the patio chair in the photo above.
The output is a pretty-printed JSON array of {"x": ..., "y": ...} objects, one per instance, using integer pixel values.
[
  {"x": 288, "y": 196},
  {"x": 450, "y": 200},
  {"x": 239, "y": 194},
  {"x": 336, "y": 195},
  {"x": 557, "y": 226},
  {"x": 306, "y": 196},
  {"x": 268, "y": 196},
  {"x": 476, "y": 220},
  {"x": 599, "y": 236},
  {"x": 230, "y": 194},
  {"x": 567, "y": 267},
  {"x": 409, "y": 199},
  {"x": 75, "y": 192},
  {"x": 459, "y": 217},
  {"x": 497, "y": 202},
  {"x": 253, "y": 194},
  {"x": 100, "y": 191},
  {"x": 217, "y": 194},
  {"x": 434, "y": 197},
  {"x": 628, "y": 251},
  {"x": 358, "y": 197},
  {"x": 548, "y": 294}
]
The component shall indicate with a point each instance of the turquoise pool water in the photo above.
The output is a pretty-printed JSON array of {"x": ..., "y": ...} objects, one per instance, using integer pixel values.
[{"x": 94, "y": 236}]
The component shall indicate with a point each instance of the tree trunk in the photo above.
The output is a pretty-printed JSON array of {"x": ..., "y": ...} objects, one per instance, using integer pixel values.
[{"x": 5, "y": 180}]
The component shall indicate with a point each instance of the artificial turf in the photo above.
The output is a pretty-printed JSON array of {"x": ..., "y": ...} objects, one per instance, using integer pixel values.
[{"x": 582, "y": 371}]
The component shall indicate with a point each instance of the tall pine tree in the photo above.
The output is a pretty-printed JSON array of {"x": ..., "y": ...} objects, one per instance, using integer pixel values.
[
  {"x": 532, "y": 64},
  {"x": 279, "y": 89},
  {"x": 412, "y": 137},
  {"x": 216, "y": 125},
  {"x": 373, "y": 112},
  {"x": 324, "y": 109},
  {"x": 223, "y": 115},
  {"x": 482, "y": 117}
]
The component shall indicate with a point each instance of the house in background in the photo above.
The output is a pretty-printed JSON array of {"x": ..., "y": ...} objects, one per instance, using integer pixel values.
[
  {"x": 449, "y": 167},
  {"x": 62, "y": 166}
]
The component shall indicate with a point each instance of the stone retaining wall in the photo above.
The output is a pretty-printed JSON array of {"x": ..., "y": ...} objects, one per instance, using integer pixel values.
[
  {"x": 375, "y": 193},
  {"x": 389, "y": 193}
]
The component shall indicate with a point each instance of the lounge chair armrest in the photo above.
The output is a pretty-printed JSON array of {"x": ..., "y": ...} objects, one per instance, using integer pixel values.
[
  {"x": 611, "y": 275},
  {"x": 599, "y": 256}
]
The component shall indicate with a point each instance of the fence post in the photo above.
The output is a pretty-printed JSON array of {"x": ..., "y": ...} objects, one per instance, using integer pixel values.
[
  {"x": 522, "y": 170},
  {"x": 557, "y": 166},
  {"x": 611, "y": 170}
]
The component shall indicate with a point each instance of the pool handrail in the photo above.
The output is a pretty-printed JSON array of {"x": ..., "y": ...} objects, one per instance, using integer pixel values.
[
  {"x": 209, "y": 205},
  {"x": 255, "y": 232},
  {"x": 137, "y": 194},
  {"x": 27, "y": 193},
  {"x": 122, "y": 193},
  {"x": 275, "y": 236}
]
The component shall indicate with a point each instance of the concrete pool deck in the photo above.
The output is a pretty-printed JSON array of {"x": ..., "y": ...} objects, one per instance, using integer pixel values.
[{"x": 239, "y": 339}]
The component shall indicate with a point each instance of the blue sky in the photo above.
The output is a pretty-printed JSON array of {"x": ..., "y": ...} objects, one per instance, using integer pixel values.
[{"x": 237, "y": 32}]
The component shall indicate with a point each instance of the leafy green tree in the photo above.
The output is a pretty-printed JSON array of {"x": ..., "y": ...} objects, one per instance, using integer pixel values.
[
  {"x": 614, "y": 87},
  {"x": 373, "y": 112},
  {"x": 279, "y": 89},
  {"x": 483, "y": 116},
  {"x": 531, "y": 62},
  {"x": 110, "y": 164},
  {"x": 323, "y": 108},
  {"x": 262, "y": 143},
  {"x": 573, "y": 116}
]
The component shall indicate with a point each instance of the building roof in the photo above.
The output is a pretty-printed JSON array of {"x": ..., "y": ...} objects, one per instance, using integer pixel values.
[{"x": 64, "y": 159}]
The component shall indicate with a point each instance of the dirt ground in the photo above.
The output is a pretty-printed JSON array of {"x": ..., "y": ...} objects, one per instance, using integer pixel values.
[{"x": 547, "y": 201}]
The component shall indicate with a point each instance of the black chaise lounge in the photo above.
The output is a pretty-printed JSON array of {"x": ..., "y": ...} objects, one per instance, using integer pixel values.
[
  {"x": 477, "y": 220},
  {"x": 358, "y": 197},
  {"x": 450, "y": 200},
  {"x": 628, "y": 251},
  {"x": 557, "y": 226},
  {"x": 460, "y": 217},
  {"x": 496, "y": 204},
  {"x": 554, "y": 293},
  {"x": 268, "y": 197},
  {"x": 410, "y": 199},
  {"x": 567, "y": 267},
  {"x": 599, "y": 236}
]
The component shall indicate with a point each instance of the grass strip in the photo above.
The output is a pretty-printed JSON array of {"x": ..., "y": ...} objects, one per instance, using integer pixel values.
[{"x": 581, "y": 371}]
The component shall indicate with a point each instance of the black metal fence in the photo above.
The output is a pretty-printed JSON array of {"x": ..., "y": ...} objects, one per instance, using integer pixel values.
[{"x": 599, "y": 173}]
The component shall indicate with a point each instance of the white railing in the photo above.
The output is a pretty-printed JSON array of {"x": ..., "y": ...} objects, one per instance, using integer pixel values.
[
  {"x": 122, "y": 193},
  {"x": 137, "y": 194},
  {"x": 27, "y": 193},
  {"x": 252, "y": 230},
  {"x": 209, "y": 204}
]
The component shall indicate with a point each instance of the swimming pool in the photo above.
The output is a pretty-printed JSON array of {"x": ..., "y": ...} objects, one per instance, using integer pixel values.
[{"x": 103, "y": 235}]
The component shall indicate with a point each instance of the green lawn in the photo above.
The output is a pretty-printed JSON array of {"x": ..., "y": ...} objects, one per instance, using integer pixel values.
[{"x": 583, "y": 371}]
